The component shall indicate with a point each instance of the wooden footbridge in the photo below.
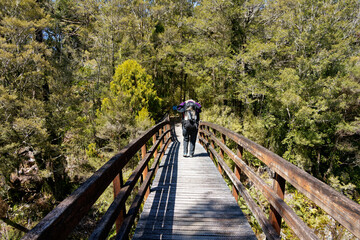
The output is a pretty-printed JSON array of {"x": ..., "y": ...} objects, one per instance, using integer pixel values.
[
  {"x": 187, "y": 198},
  {"x": 190, "y": 200}
]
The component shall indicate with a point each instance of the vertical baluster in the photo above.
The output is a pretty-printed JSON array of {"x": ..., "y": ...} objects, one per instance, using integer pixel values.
[
  {"x": 162, "y": 140},
  {"x": 213, "y": 146},
  {"x": 223, "y": 140},
  {"x": 169, "y": 133},
  {"x": 154, "y": 141},
  {"x": 166, "y": 137},
  {"x": 203, "y": 135},
  {"x": 118, "y": 183},
  {"x": 279, "y": 188},
  {"x": 207, "y": 128},
  {"x": 237, "y": 171},
  {"x": 146, "y": 170},
  {"x": 208, "y": 136}
]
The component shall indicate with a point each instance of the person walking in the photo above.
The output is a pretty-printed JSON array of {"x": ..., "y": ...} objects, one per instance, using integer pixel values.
[{"x": 190, "y": 123}]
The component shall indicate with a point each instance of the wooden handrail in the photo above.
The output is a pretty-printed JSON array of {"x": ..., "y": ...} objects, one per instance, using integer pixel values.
[
  {"x": 342, "y": 209},
  {"x": 60, "y": 222},
  {"x": 104, "y": 226},
  {"x": 268, "y": 229},
  {"x": 135, "y": 206}
]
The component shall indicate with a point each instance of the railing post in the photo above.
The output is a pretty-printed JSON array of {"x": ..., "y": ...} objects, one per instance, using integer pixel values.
[
  {"x": 118, "y": 183},
  {"x": 162, "y": 140},
  {"x": 201, "y": 133},
  {"x": 207, "y": 128},
  {"x": 146, "y": 170},
  {"x": 237, "y": 171},
  {"x": 221, "y": 151},
  {"x": 201, "y": 127},
  {"x": 154, "y": 141},
  {"x": 209, "y": 138},
  {"x": 279, "y": 188},
  {"x": 169, "y": 133},
  {"x": 223, "y": 140},
  {"x": 213, "y": 146},
  {"x": 206, "y": 136},
  {"x": 166, "y": 135}
]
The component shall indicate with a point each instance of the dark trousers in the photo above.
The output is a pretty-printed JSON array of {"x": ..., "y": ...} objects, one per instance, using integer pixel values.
[{"x": 189, "y": 136}]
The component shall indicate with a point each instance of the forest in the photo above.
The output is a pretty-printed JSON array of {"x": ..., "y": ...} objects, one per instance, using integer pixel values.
[{"x": 79, "y": 79}]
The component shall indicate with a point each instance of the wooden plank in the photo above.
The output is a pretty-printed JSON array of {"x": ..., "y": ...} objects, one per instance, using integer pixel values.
[
  {"x": 190, "y": 205},
  {"x": 135, "y": 206},
  {"x": 104, "y": 226},
  {"x": 192, "y": 220},
  {"x": 176, "y": 236},
  {"x": 341, "y": 208},
  {"x": 294, "y": 221},
  {"x": 174, "y": 219},
  {"x": 207, "y": 213},
  {"x": 63, "y": 219},
  {"x": 218, "y": 218},
  {"x": 204, "y": 229},
  {"x": 190, "y": 200}
]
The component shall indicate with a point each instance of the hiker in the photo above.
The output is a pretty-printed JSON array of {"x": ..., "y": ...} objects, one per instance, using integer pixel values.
[{"x": 190, "y": 122}]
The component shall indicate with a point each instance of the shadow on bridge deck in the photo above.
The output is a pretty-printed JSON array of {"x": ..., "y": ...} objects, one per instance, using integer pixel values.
[{"x": 190, "y": 200}]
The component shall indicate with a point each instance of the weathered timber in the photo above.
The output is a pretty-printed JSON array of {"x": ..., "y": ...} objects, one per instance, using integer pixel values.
[
  {"x": 189, "y": 199},
  {"x": 135, "y": 206},
  {"x": 295, "y": 223},
  {"x": 279, "y": 188},
  {"x": 268, "y": 229},
  {"x": 342, "y": 209},
  {"x": 106, "y": 222},
  {"x": 63, "y": 219}
]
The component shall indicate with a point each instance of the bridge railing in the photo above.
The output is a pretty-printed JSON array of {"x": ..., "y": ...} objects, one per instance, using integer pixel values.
[
  {"x": 61, "y": 221},
  {"x": 342, "y": 209}
]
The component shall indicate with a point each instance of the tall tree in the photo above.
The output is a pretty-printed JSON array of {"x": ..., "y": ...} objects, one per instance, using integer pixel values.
[
  {"x": 129, "y": 105},
  {"x": 300, "y": 64}
]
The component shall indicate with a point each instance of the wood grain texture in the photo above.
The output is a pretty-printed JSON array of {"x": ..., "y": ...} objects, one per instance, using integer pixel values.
[
  {"x": 190, "y": 200},
  {"x": 341, "y": 208},
  {"x": 63, "y": 219}
]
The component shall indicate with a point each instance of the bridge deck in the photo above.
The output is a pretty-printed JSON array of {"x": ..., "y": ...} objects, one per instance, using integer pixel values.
[{"x": 190, "y": 200}]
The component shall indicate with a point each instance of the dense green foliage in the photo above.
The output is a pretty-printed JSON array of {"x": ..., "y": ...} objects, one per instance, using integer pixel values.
[{"x": 80, "y": 78}]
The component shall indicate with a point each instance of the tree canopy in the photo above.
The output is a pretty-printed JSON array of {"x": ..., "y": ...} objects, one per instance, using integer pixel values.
[{"x": 80, "y": 78}]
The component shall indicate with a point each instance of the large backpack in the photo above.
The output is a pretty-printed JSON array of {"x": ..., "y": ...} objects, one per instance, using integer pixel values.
[{"x": 190, "y": 116}]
